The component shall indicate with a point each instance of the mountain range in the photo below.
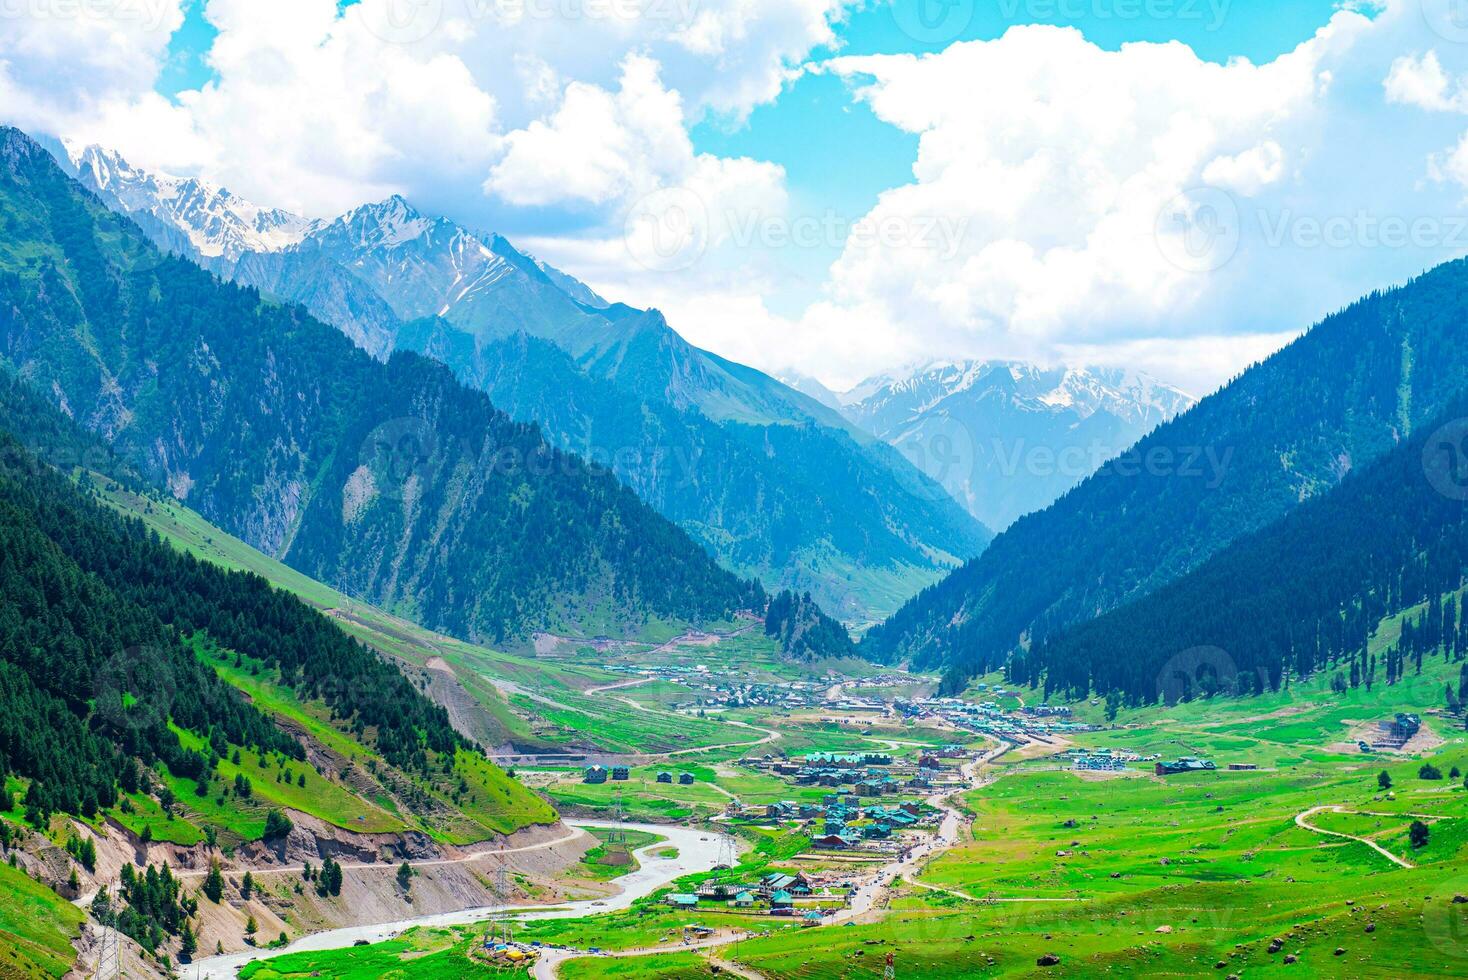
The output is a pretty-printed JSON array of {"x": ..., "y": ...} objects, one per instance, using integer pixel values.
[
  {"x": 390, "y": 480},
  {"x": 1308, "y": 590},
  {"x": 723, "y": 450},
  {"x": 1006, "y": 438},
  {"x": 1287, "y": 430}
]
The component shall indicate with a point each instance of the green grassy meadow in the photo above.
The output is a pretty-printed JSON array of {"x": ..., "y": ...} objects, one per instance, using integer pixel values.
[{"x": 36, "y": 929}]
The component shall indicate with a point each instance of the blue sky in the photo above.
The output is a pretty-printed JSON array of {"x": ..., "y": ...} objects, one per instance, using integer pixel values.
[
  {"x": 815, "y": 130},
  {"x": 1051, "y": 155}
]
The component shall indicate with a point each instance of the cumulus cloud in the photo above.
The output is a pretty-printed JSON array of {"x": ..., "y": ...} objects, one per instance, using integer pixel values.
[
  {"x": 1065, "y": 200},
  {"x": 317, "y": 107},
  {"x": 1143, "y": 204},
  {"x": 1063, "y": 162},
  {"x": 65, "y": 64},
  {"x": 1419, "y": 80}
]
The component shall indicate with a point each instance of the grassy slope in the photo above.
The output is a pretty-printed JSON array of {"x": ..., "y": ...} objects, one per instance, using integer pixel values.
[
  {"x": 36, "y": 929},
  {"x": 477, "y": 802},
  {"x": 562, "y": 716},
  {"x": 1215, "y": 858}
]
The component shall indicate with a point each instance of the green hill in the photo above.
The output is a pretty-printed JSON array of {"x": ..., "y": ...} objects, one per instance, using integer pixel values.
[
  {"x": 37, "y": 927},
  {"x": 171, "y": 696},
  {"x": 1304, "y": 595},
  {"x": 797, "y": 501},
  {"x": 1286, "y": 430}
]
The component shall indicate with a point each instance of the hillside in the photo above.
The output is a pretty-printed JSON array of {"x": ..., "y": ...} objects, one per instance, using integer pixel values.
[
  {"x": 804, "y": 632},
  {"x": 391, "y": 480},
  {"x": 37, "y": 928},
  {"x": 237, "y": 667},
  {"x": 1286, "y": 430},
  {"x": 1302, "y": 595},
  {"x": 701, "y": 439},
  {"x": 158, "y": 707},
  {"x": 797, "y": 505}
]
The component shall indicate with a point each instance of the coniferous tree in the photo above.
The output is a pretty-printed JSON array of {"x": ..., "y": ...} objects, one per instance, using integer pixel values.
[{"x": 214, "y": 883}]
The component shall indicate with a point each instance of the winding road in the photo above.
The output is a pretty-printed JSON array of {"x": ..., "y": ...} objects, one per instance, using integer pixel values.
[
  {"x": 697, "y": 851},
  {"x": 1303, "y": 820},
  {"x": 866, "y": 899}
]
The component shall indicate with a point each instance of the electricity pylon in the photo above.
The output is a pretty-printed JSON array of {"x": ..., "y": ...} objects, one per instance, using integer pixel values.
[{"x": 109, "y": 960}]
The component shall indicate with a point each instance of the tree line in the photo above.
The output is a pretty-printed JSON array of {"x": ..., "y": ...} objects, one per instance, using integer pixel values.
[{"x": 1303, "y": 595}]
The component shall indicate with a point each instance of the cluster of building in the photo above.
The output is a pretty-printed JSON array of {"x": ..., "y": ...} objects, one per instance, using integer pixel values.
[
  {"x": 844, "y": 822},
  {"x": 779, "y": 892},
  {"x": 600, "y": 774},
  {"x": 1029, "y": 723},
  {"x": 866, "y": 773}
]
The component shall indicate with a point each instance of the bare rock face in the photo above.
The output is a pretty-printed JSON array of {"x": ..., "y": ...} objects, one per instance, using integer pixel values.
[{"x": 311, "y": 840}]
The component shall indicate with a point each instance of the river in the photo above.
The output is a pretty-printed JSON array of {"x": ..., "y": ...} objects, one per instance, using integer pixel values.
[{"x": 698, "y": 850}]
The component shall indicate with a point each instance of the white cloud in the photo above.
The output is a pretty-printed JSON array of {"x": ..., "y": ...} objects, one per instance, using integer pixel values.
[
  {"x": 1069, "y": 173},
  {"x": 318, "y": 107},
  {"x": 1142, "y": 204},
  {"x": 598, "y": 146},
  {"x": 1248, "y": 172},
  {"x": 61, "y": 63},
  {"x": 1063, "y": 163},
  {"x": 1421, "y": 81}
]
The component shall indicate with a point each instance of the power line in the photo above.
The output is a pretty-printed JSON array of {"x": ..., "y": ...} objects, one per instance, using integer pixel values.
[{"x": 109, "y": 961}]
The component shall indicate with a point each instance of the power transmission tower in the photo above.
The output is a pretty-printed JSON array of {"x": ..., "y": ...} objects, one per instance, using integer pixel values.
[
  {"x": 889, "y": 972},
  {"x": 617, "y": 834},
  {"x": 727, "y": 855},
  {"x": 502, "y": 891},
  {"x": 109, "y": 961}
]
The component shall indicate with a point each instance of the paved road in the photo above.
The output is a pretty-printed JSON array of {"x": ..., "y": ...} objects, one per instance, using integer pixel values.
[
  {"x": 571, "y": 834},
  {"x": 619, "y": 685},
  {"x": 698, "y": 851}
]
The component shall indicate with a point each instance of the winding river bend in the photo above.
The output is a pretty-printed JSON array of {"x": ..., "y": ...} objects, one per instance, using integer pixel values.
[{"x": 698, "y": 850}]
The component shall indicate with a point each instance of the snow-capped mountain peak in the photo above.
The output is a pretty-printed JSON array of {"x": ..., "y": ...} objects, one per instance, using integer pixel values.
[
  {"x": 1131, "y": 395},
  {"x": 384, "y": 224},
  {"x": 974, "y": 425},
  {"x": 216, "y": 222}
]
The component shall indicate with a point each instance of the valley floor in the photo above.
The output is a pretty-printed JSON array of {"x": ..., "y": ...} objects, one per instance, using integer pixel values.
[{"x": 1301, "y": 865}]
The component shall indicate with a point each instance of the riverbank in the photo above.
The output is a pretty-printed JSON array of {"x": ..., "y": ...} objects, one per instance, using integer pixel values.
[{"x": 697, "y": 851}]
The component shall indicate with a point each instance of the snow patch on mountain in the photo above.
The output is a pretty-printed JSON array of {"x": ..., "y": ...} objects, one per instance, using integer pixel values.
[
  {"x": 216, "y": 222},
  {"x": 1004, "y": 437}
]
